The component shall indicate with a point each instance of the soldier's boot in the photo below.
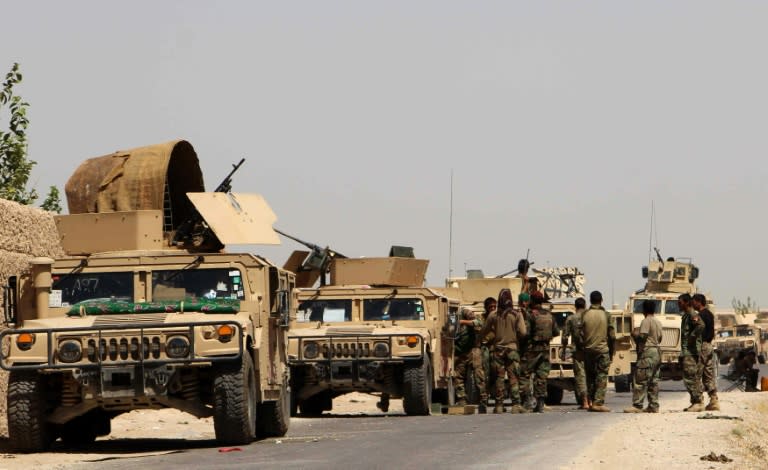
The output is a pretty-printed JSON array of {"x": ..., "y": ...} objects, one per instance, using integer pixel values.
[
  {"x": 696, "y": 407},
  {"x": 651, "y": 410},
  {"x": 714, "y": 403},
  {"x": 517, "y": 409},
  {"x": 498, "y": 409},
  {"x": 633, "y": 409},
  {"x": 482, "y": 408},
  {"x": 599, "y": 408},
  {"x": 383, "y": 404},
  {"x": 539, "y": 408},
  {"x": 584, "y": 403},
  {"x": 461, "y": 402}
]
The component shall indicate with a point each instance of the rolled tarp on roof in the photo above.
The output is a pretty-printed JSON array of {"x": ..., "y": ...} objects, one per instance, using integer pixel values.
[{"x": 136, "y": 179}]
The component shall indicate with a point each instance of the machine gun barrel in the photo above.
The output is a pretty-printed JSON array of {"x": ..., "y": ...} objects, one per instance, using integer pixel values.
[
  {"x": 311, "y": 246},
  {"x": 226, "y": 184}
]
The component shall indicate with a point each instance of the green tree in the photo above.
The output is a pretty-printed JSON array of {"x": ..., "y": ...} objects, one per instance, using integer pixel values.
[
  {"x": 52, "y": 202},
  {"x": 15, "y": 166}
]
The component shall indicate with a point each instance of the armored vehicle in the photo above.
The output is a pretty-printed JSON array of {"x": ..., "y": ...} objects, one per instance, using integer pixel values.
[
  {"x": 731, "y": 340},
  {"x": 373, "y": 329},
  {"x": 145, "y": 311},
  {"x": 665, "y": 282}
]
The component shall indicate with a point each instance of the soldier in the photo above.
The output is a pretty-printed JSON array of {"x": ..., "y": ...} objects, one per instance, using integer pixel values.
[
  {"x": 467, "y": 351},
  {"x": 526, "y": 393},
  {"x": 573, "y": 329},
  {"x": 489, "y": 305},
  {"x": 529, "y": 283},
  {"x": 507, "y": 325},
  {"x": 648, "y": 371},
  {"x": 691, "y": 331},
  {"x": 599, "y": 336},
  {"x": 542, "y": 328},
  {"x": 745, "y": 365},
  {"x": 708, "y": 376}
]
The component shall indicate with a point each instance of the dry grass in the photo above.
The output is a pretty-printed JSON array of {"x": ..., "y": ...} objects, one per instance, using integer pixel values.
[{"x": 750, "y": 437}]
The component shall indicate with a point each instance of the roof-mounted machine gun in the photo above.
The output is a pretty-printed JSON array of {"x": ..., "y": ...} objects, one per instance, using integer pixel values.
[
  {"x": 312, "y": 265},
  {"x": 194, "y": 232}
]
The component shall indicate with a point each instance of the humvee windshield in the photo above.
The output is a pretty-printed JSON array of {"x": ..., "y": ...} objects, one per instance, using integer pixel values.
[
  {"x": 670, "y": 306},
  {"x": 180, "y": 284},
  {"x": 744, "y": 332},
  {"x": 327, "y": 310},
  {"x": 725, "y": 334},
  {"x": 560, "y": 318},
  {"x": 393, "y": 309},
  {"x": 76, "y": 288}
]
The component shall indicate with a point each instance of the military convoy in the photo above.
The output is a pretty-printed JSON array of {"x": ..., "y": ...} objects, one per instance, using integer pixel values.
[
  {"x": 666, "y": 280},
  {"x": 146, "y": 311},
  {"x": 731, "y": 340},
  {"x": 373, "y": 329}
]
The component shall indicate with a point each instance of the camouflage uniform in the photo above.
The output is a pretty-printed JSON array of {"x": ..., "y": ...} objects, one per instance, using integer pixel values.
[
  {"x": 708, "y": 377},
  {"x": 599, "y": 334},
  {"x": 542, "y": 328},
  {"x": 506, "y": 328},
  {"x": 467, "y": 349},
  {"x": 572, "y": 328},
  {"x": 648, "y": 371},
  {"x": 691, "y": 331}
]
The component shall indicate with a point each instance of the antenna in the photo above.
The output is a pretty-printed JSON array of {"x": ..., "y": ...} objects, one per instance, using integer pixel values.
[
  {"x": 650, "y": 234},
  {"x": 450, "y": 233}
]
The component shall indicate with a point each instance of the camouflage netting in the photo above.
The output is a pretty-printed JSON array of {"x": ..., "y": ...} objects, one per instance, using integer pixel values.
[{"x": 25, "y": 232}]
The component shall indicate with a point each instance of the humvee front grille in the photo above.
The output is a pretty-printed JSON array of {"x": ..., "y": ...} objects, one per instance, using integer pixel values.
[
  {"x": 670, "y": 337},
  {"x": 113, "y": 349},
  {"x": 346, "y": 350}
]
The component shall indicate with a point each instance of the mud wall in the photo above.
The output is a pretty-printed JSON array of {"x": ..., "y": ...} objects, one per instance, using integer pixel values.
[{"x": 25, "y": 232}]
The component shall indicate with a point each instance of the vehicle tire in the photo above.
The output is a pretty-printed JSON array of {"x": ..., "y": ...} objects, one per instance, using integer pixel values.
[
  {"x": 27, "y": 404},
  {"x": 234, "y": 408},
  {"x": 622, "y": 383},
  {"x": 316, "y": 404},
  {"x": 417, "y": 388},
  {"x": 274, "y": 416},
  {"x": 554, "y": 395}
]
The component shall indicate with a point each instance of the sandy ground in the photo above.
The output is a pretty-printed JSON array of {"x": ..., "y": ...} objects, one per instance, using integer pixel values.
[
  {"x": 670, "y": 440},
  {"x": 675, "y": 439}
]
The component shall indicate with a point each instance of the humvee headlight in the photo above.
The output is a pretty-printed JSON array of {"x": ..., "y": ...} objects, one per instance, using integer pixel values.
[
  {"x": 311, "y": 350},
  {"x": 70, "y": 351},
  {"x": 381, "y": 349},
  {"x": 412, "y": 341},
  {"x": 177, "y": 346},
  {"x": 25, "y": 341}
]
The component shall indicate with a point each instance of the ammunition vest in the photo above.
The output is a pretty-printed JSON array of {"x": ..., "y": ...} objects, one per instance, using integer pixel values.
[{"x": 542, "y": 323}]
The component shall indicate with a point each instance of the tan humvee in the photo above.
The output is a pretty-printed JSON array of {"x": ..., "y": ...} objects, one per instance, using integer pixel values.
[
  {"x": 373, "y": 329},
  {"x": 128, "y": 320},
  {"x": 731, "y": 340},
  {"x": 666, "y": 281}
]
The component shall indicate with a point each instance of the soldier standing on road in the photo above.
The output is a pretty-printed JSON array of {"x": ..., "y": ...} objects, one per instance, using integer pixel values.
[
  {"x": 691, "y": 331},
  {"x": 572, "y": 329},
  {"x": 599, "y": 336},
  {"x": 489, "y": 306},
  {"x": 467, "y": 352},
  {"x": 708, "y": 377},
  {"x": 648, "y": 371},
  {"x": 507, "y": 326},
  {"x": 542, "y": 328},
  {"x": 524, "y": 305}
]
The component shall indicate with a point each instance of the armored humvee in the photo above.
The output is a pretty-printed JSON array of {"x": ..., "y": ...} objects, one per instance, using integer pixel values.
[
  {"x": 372, "y": 329},
  {"x": 730, "y": 340},
  {"x": 146, "y": 311},
  {"x": 665, "y": 282}
]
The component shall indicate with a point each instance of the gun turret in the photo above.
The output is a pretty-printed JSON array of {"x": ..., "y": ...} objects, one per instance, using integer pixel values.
[
  {"x": 194, "y": 231},
  {"x": 311, "y": 265}
]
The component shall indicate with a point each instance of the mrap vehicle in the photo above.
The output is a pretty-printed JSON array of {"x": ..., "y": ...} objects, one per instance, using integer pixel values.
[{"x": 146, "y": 311}]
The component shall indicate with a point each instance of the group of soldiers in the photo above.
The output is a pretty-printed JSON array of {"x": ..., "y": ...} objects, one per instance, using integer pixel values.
[{"x": 516, "y": 341}]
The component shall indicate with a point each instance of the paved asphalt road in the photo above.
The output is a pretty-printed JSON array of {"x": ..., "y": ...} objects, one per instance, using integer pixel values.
[{"x": 541, "y": 441}]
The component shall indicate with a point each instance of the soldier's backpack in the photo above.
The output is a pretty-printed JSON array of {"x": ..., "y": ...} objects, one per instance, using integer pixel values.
[{"x": 542, "y": 326}]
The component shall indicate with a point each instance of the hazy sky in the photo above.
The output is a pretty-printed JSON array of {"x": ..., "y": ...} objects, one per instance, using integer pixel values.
[{"x": 562, "y": 121}]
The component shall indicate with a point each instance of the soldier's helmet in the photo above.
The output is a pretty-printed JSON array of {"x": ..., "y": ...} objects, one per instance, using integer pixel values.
[{"x": 467, "y": 314}]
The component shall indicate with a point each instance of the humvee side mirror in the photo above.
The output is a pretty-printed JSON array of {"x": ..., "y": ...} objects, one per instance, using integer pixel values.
[
  {"x": 645, "y": 272},
  {"x": 10, "y": 296}
]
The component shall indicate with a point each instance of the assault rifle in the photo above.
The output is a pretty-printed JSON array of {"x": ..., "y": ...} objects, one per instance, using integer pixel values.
[{"x": 194, "y": 232}]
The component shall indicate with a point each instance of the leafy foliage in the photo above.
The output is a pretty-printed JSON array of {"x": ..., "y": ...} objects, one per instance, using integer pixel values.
[{"x": 15, "y": 166}]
